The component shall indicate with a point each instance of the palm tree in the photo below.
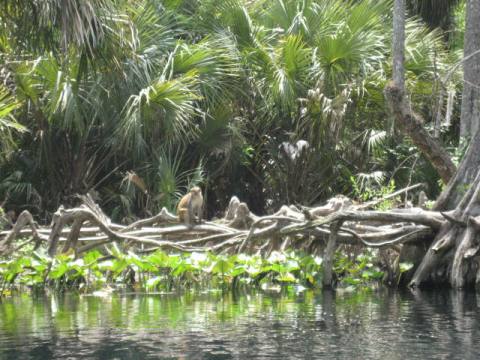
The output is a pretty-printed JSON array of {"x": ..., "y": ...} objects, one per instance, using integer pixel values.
[
  {"x": 152, "y": 90},
  {"x": 160, "y": 88}
]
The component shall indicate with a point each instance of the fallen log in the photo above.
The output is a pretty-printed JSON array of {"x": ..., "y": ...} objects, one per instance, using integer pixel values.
[{"x": 338, "y": 222}]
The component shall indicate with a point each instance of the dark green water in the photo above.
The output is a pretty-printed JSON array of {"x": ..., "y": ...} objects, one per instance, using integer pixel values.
[{"x": 420, "y": 325}]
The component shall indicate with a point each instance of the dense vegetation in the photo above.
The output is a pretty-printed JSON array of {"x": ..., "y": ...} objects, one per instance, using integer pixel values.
[
  {"x": 168, "y": 272},
  {"x": 277, "y": 102}
]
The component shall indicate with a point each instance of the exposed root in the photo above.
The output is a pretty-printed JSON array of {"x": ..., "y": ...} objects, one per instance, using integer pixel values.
[{"x": 338, "y": 222}]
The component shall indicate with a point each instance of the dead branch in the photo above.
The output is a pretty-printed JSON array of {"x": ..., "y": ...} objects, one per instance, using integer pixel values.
[
  {"x": 87, "y": 227},
  {"x": 24, "y": 219},
  {"x": 337, "y": 222}
]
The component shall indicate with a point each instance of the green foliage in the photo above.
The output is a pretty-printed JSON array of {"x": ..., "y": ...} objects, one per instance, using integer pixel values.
[
  {"x": 160, "y": 271},
  {"x": 221, "y": 87},
  {"x": 8, "y": 124},
  {"x": 367, "y": 187},
  {"x": 357, "y": 271}
]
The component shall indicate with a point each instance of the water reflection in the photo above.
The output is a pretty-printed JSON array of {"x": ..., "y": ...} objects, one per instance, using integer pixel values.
[{"x": 384, "y": 325}]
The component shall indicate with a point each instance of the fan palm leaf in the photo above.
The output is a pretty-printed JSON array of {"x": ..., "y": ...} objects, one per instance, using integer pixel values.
[
  {"x": 8, "y": 123},
  {"x": 57, "y": 23}
]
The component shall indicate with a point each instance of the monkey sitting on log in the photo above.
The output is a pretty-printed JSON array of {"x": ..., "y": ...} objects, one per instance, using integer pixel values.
[{"x": 191, "y": 205}]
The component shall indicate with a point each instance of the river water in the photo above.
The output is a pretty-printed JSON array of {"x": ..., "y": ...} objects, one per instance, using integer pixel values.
[{"x": 305, "y": 325}]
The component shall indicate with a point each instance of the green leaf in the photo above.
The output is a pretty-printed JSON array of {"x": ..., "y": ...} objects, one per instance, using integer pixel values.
[
  {"x": 287, "y": 277},
  {"x": 351, "y": 281},
  {"x": 59, "y": 270},
  {"x": 222, "y": 266},
  {"x": 158, "y": 258},
  {"x": 238, "y": 270},
  {"x": 92, "y": 256},
  {"x": 153, "y": 282},
  {"x": 119, "y": 265}
]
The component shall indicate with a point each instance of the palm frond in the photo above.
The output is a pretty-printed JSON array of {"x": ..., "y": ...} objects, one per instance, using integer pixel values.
[
  {"x": 375, "y": 140},
  {"x": 169, "y": 179},
  {"x": 8, "y": 123},
  {"x": 165, "y": 108},
  {"x": 57, "y": 23},
  {"x": 216, "y": 62}
]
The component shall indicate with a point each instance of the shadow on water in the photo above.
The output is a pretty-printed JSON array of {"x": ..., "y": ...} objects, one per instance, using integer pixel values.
[{"x": 380, "y": 325}]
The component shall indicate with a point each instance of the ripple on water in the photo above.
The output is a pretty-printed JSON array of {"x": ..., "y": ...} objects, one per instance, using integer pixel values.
[{"x": 398, "y": 325}]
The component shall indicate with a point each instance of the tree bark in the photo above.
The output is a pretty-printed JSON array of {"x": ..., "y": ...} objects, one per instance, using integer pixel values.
[
  {"x": 463, "y": 179},
  {"x": 457, "y": 238},
  {"x": 412, "y": 126},
  {"x": 405, "y": 119},
  {"x": 399, "y": 44},
  {"x": 469, "y": 119},
  {"x": 470, "y": 115},
  {"x": 329, "y": 254}
]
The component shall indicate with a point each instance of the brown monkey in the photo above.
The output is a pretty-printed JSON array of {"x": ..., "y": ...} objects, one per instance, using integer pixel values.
[{"x": 191, "y": 205}]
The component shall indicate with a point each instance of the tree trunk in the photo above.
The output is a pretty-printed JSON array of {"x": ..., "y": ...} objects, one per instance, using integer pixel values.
[
  {"x": 405, "y": 119},
  {"x": 463, "y": 179},
  {"x": 452, "y": 253},
  {"x": 399, "y": 44},
  {"x": 410, "y": 125},
  {"x": 329, "y": 254},
  {"x": 469, "y": 120},
  {"x": 470, "y": 116},
  {"x": 451, "y": 256}
]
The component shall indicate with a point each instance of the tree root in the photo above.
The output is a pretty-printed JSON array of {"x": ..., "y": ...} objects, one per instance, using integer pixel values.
[{"x": 338, "y": 222}]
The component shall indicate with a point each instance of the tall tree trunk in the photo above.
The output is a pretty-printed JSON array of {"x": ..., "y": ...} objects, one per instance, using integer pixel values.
[
  {"x": 399, "y": 44},
  {"x": 454, "y": 252},
  {"x": 447, "y": 253},
  {"x": 463, "y": 179},
  {"x": 470, "y": 116},
  {"x": 469, "y": 120},
  {"x": 397, "y": 99}
]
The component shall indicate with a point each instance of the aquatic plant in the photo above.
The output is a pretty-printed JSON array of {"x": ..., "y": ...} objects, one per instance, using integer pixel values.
[{"x": 159, "y": 271}]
